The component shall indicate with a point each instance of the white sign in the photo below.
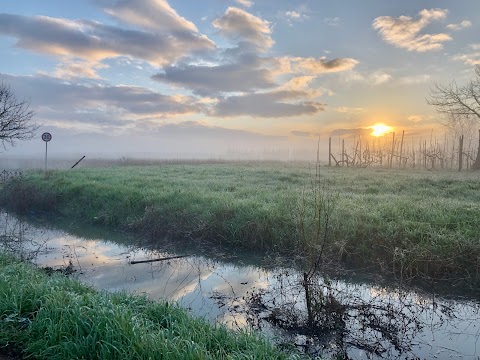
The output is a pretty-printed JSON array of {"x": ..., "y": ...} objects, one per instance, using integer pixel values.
[{"x": 46, "y": 136}]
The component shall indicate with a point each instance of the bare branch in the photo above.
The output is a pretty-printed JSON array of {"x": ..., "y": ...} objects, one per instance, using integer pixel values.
[{"x": 15, "y": 118}]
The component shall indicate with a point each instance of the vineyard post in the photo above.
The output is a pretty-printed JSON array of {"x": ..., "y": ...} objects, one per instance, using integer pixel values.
[{"x": 460, "y": 154}]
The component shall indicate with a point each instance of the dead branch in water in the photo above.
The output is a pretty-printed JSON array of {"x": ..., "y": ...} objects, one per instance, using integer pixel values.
[{"x": 160, "y": 259}]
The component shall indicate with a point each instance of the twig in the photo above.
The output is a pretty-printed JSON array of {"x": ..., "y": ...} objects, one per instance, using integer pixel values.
[{"x": 160, "y": 259}]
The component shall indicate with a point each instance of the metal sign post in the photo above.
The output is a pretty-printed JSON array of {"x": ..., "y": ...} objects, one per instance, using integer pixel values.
[{"x": 46, "y": 136}]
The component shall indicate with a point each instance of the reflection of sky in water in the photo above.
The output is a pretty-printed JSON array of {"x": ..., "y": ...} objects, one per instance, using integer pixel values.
[{"x": 216, "y": 290}]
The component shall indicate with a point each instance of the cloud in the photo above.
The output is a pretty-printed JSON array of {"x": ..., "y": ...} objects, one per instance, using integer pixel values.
[
  {"x": 92, "y": 41},
  {"x": 462, "y": 25},
  {"x": 351, "y": 132},
  {"x": 348, "y": 110},
  {"x": 312, "y": 66},
  {"x": 241, "y": 26},
  {"x": 374, "y": 78},
  {"x": 404, "y": 32},
  {"x": 246, "y": 3},
  {"x": 416, "y": 118},
  {"x": 294, "y": 16},
  {"x": 70, "y": 69},
  {"x": 415, "y": 79},
  {"x": 301, "y": 84},
  {"x": 471, "y": 58},
  {"x": 379, "y": 77},
  {"x": 55, "y": 99},
  {"x": 155, "y": 15},
  {"x": 244, "y": 75},
  {"x": 335, "y": 21},
  {"x": 249, "y": 73},
  {"x": 302, "y": 133},
  {"x": 195, "y": 129},
  {"x": 271, "y": 104}
]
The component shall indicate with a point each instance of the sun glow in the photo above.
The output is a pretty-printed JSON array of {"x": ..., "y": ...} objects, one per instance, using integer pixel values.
[{"x": 380, "y": 129}]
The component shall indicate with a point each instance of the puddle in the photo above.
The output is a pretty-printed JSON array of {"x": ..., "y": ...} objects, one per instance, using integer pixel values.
[{"x": 344, "y": 319}]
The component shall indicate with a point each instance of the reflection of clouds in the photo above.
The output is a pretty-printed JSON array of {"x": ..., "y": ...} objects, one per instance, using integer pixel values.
[{"x": 218, "y": 291}]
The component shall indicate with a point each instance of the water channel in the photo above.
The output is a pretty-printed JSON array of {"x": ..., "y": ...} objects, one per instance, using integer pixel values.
[{"x": 347, "y": 319}]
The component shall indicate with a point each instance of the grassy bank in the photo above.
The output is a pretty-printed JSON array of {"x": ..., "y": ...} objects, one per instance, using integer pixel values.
[
  {"x": 54, "y": 317},
  {"x": 414, "y": 223}
]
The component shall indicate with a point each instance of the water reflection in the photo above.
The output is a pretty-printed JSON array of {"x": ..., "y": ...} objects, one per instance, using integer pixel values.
[{"x": 318, "y": 315}]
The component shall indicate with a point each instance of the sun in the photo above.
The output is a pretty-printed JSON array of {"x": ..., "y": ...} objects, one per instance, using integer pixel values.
[{"x": 380, "y": 129}]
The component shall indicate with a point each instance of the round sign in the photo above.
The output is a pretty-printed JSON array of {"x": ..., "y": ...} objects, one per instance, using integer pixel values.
[{"x": 46, "y": 136}]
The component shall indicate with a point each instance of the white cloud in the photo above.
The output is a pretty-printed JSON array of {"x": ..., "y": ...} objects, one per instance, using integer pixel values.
[
  {"x": 335, "y": 21},
  {"x": 462, "y": 25},
  {"x": 416, "y": 118},
  {"x": 404, "y": 32},
  {"x": 105, "y": 105},
  {"x": 374, "y": 78},
  {"x": 247, "y": 74},
  {"x": 293, "y": 15},
  {"x": 470, "y": 58},
  {"x": 349, "y": 110},
  {"x": 156, "y": 15},
  {"x": 246, "y": 3},
  {"x": 379, "y": 77},
  {"x": 70, "y": 69},
  {"x": 92, "y": 41},
  {"x": 272, "y": 104},
  {"x": 415, "y": 79},
  {"x": 240, "y": 25},
  {"x": 313, "y": 66}
]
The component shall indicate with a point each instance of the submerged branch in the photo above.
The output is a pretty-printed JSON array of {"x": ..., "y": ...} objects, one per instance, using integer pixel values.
[{"x": 159, "y": 259}]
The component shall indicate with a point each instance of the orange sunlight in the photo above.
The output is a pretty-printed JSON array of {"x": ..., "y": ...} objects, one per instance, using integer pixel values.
[{"x": 380, "y": 129}]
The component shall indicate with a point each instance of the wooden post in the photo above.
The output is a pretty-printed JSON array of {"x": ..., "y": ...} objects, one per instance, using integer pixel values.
[
  {"x": 401, "y": 148},
  {"x": 343, "y": 152},
  {"x": 476, "y": 165},
  {"x": 360, "y": 154},
  {"x": 460, "y": 154},
  {"x": 425, "y": 154},
  {"x": 355, "y": 142},
  {"x": 393, "y": 149},
  {"x": 453, "y": 156},
  {"x": 329, "y": 151}
]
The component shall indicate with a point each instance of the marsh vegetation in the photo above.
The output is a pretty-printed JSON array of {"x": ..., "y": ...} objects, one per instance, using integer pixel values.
[{"x": 411, "y": 224}]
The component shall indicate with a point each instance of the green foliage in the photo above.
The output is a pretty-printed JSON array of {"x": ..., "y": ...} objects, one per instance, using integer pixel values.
[
  {"x": 53, "y": 317},
  {"x": 413, "y": 223}
]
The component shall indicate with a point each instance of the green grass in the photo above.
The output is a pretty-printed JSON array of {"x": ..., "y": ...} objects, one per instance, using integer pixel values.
[
  {"x": 413, "y": 223},
  {"x": 54, "y": 317}
]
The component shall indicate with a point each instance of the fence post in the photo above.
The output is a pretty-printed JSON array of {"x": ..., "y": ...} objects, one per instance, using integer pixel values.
[
  {"x": 393, "y": 149},
  {"x": 460, "y": 154},
  {"x": 401, "y": 150},
  {"x": 476, "y": 165},
  {"x": 329, "y": 151}
]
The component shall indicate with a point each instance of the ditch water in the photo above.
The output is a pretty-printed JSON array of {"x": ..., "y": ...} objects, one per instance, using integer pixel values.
[{"x": 343, "y": 319}]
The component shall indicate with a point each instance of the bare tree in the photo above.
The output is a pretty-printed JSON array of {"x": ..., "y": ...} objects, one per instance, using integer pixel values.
[
  {"x": 15, "y": 118},
  {"x": 460, "y": 104}
]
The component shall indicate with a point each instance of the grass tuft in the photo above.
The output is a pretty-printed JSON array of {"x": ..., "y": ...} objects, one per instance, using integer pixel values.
[{"x": 54, "y": 317}]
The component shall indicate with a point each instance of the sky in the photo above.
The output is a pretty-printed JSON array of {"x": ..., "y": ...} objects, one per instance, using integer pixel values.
[{"x": 230, "y": 76}]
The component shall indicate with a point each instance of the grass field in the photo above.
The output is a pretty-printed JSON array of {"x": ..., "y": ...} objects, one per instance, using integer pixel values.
[
  {"x": 412, "y": 223},
  {"x": 54, "y": 317}
]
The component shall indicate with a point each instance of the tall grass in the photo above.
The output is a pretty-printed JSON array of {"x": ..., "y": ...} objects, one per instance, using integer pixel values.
[
  {"x": 417, "y": 223},
  {"x": 58, "y": 318}
]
